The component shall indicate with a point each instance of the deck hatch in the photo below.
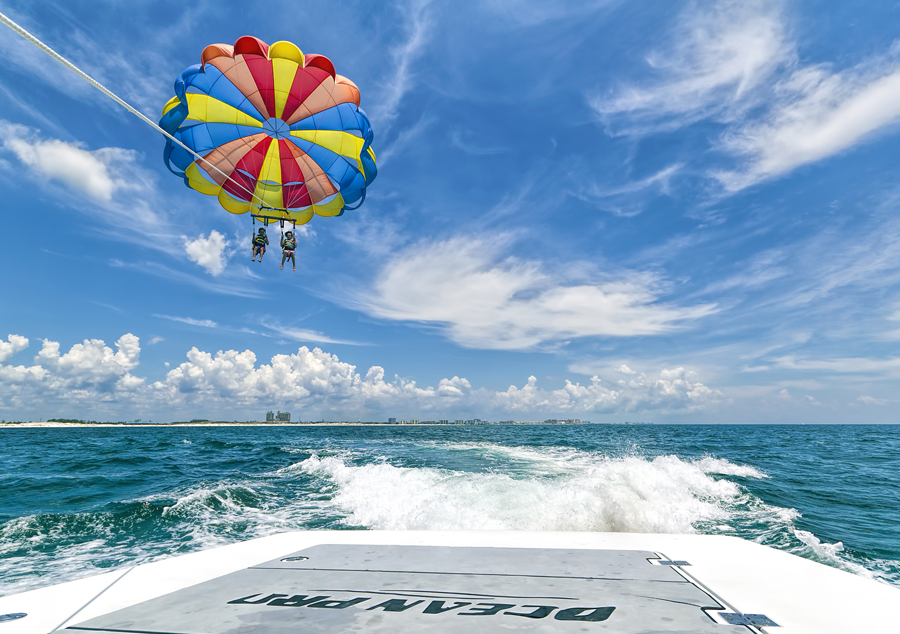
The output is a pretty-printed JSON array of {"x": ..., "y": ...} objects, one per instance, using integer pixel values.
[
  {"x": 756, "y": 620},
  {"x": 405, "y": 589}
]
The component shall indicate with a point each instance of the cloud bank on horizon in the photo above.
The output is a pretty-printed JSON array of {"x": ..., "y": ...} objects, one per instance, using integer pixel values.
[
  {"x": 706, "y": 193},
  {"x": 94, "y": 378}
]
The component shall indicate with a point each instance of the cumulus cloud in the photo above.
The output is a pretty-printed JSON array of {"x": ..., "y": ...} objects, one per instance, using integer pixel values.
[
  {"x": 12, "y": 345},
  {"x": 92, "y": 363},
  {"x": 93, "y": 375},
  {"x": 319, "y": 378},
  {"x": 209, "y": 252},
  {"x": 93, "y": 173},
  {"x": 480, "y": 300},
  {"x": 675, "y": 389}
]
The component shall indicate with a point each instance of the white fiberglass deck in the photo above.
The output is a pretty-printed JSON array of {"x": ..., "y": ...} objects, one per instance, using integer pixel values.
[{"x": 372, "y": 581}]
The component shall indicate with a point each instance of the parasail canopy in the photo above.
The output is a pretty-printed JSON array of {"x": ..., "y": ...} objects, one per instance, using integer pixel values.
[{"x": 280, "y": 133}]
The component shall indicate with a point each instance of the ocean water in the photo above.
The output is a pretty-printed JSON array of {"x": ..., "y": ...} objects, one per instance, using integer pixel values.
[{"x": 76, "y": 502}]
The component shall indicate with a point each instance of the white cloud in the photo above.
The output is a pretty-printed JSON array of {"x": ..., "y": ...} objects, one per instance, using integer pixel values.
[
  {"x": 303, "y": 334},
  {"x": 12, "y": 345},
  {"x": 209, "y": 252},
  {"x": 316, "y": 378},
  {"x": 675, "y": 389},
  {"x": 869, "y": 400},
  {"x": 205, "y": 323},
  {"x": 418, "y": 24},
  {"x": 848, "y": 365},
  {"x": 155, "y": 340},
  {"x": 734, "y": 62},
  {"x": 92, "y": 361},
  {"x": 719, "y": 55},
  {"x": 123, "y": 197},
  {"x": 462, "y": 140},
  {"x": 760, "y": 269},
  {"x": 627, "y": 199},
  {"x": 94, "y": 173},
  {"x": 479, "y": 300},
  {"x": 818, "y": 114},
  {"x": 94, "y": 376}
]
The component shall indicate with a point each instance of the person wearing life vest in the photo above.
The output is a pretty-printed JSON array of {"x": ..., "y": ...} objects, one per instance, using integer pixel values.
[
  {"x": 260, "y": 240},
  {"x": 288, "y": 244}
]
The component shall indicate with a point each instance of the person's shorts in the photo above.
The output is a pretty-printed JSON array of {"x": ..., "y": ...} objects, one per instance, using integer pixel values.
[
  {"x": 260, "y": 248},
  {"x": 289, "y": 252}
]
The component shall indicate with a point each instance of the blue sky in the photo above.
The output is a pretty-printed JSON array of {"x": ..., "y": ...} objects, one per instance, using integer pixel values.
[{"x": 666, "y": 212}]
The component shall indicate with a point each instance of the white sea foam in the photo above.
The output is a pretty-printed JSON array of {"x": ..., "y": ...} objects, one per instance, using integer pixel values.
[
  {"x": 567, "y": 490},
  {"x": 830, "y": 554}
]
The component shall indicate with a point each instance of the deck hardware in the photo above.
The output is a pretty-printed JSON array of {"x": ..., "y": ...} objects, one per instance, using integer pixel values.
[
  {"x": 673, "y": 562},
  {"x": 757, "y": 620},
  {"x": 14, "y": 616},
  {"x": 295, "y": 559}
]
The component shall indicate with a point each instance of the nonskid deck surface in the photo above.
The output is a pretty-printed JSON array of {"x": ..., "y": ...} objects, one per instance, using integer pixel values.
[
  {"x": 360, "y": 588},
  {"x": 479, "y": 581}
]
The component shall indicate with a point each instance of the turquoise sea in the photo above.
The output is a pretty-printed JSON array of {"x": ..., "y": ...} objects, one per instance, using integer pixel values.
[{"x": 78, "y": 501}]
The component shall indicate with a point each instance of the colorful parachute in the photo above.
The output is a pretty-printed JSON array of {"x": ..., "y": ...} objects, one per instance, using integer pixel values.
[{"x": 281, "y": 134}]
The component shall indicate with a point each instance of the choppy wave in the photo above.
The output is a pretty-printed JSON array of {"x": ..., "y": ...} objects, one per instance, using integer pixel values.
[{"x": 411, "y": 485}]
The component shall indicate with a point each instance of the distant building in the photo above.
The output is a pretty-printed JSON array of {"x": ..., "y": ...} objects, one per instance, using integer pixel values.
[
  {"x": 392, "y": 421},
  {"x": 459, "y": 421},
  {"x": 283, "y": 417},
  {"x": 413, "y": 421},
  {"x": 270, "y": 417},
  {"x": 444, "y": 421}
]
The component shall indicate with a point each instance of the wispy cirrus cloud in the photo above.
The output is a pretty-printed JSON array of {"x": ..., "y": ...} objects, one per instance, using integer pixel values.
[
  {"x": 203, "y": 323},
  {"x": 719, "y": 53},
  {"x": 462, "y": 140},
  {"x": 627, "y": 199},
  {"x": 418, "y": 24},
  {"x": 817, "y": 113},
  {"x": 303, "y": 335},
  {"x": 466, "y": 288},
  {"x": 735, "y": 63}
]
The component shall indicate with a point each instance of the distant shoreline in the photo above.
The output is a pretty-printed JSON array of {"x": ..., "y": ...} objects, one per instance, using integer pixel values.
[{"x": 49, "y": 424}]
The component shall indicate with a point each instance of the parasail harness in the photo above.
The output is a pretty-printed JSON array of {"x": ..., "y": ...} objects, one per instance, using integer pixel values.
[{"x": 280, "y": 219}]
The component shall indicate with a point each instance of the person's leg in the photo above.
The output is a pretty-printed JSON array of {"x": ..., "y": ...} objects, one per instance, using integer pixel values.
[
  {"x": 254, "y": 255},
  {"x": 293, "y": 261},
  {"x": 283, "y": 256}
]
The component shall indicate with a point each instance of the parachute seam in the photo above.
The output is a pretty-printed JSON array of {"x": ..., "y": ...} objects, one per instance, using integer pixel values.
[{"x": 18, "y": 30}]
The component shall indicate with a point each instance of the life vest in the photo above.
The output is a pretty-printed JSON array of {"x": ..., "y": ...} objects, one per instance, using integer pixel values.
[
  {"x": 290, "y": 243},
  {"x": 259, "y": 240}
]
